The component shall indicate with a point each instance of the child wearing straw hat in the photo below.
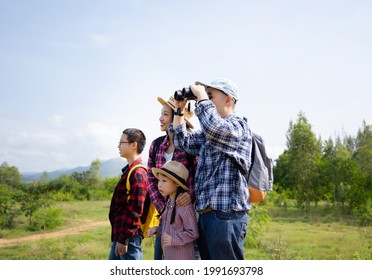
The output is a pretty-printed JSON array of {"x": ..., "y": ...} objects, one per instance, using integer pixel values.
[
  {"x": 179, "y": 228},
  {"x": 162, "y": 150}
]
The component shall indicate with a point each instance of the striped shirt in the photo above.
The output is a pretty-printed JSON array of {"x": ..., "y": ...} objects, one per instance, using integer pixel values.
[
  {"x": 184, "y": 231},
  {"x": 220, "y": 145}
]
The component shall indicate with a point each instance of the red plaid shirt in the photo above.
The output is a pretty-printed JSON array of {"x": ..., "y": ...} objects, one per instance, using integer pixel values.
[
  {"x": 178, "y": 155},
  {"x": 124, "y": 215}
]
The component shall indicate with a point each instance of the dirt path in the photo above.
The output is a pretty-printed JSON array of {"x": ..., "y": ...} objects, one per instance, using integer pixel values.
[{"x": 69, "y": 231}]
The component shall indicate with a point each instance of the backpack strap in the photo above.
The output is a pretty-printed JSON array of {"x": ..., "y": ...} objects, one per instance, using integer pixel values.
[
  {"x": 157, "y": 142},
  {"x": 155, "y": 148},
  {"x": 129, "y": 173}
]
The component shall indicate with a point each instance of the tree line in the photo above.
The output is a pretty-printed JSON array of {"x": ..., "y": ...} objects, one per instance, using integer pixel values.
[
  {"x": 35, "y": 200},
  {"x": 338, "y": 170},
  {"x": 310, "y": 170}
]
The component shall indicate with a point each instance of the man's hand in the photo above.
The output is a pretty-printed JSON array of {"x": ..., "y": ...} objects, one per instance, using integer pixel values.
[
  {"x": 199, "y": 92},
  {"x": 183, "y": 199}
]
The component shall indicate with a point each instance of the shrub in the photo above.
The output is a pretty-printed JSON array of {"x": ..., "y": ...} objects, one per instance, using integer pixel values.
[{"x": 45, "y": 219}]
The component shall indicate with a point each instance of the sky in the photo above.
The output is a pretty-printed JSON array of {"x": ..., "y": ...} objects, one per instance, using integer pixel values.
[{"x": 75, "y": 74}]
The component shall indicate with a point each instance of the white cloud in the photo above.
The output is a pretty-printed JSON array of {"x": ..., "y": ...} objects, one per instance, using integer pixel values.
[
  {"x": 37, "y": 139},
  {"x": 59, "y": 146}
]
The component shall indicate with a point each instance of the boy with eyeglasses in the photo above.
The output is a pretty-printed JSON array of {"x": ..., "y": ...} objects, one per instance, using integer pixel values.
[{"x": 126, "y": 207}]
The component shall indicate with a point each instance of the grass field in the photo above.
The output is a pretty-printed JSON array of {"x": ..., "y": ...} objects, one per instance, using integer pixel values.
[{"x": 292, "y": 234}]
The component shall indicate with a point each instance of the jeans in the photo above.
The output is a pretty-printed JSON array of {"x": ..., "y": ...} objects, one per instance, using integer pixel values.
[
  {"x": 134, "y": 250},
  {"x": 222, "y": 234}
]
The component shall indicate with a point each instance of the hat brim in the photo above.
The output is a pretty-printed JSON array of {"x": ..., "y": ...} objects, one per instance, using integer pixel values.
[
  {"x": 218, "y": 88},
  {"x": 157, "y": 171},
  {"x": 186, "y": 114},
  {"x": 202, "y": 84},
  {"x": 208, "y": 85}
]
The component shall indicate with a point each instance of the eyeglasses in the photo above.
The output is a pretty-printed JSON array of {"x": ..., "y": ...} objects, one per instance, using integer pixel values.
[{"x": 123, "y": 142}]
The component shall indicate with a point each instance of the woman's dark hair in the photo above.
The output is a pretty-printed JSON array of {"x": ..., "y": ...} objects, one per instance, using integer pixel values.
[
  {"x": 136, "y": 135},
  {"x": 173, "y": 216}
]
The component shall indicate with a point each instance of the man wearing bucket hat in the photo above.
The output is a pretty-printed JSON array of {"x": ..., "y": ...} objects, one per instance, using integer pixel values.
[
  {"x": 220, "y": 188},
  {"x": 179, "y": 228},
  {"x": 162, "y": 150}
]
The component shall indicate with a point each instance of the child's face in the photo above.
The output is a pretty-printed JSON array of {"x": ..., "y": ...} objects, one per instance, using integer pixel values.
[
  {"x": 166, "y": 186},
  {"x": 165, "y": 117},
  {"x": 124, "y": 146}
]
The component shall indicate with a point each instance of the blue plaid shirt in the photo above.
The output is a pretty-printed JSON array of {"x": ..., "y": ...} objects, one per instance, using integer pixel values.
[{"x": 223, "y": 146}]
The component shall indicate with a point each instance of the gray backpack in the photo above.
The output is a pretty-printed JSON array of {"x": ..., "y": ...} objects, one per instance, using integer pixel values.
[{"x": 260, "y": 176}]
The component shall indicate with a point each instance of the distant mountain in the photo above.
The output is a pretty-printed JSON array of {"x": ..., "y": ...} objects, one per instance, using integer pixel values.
[{"x": 109, "y": 168}]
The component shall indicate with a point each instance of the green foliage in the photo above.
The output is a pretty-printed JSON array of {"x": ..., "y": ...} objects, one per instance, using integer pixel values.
[
  {"x": 278, "y": 249},
  {"x": 279, "y": 199},
  {"x": 304, "y": 153},
  {"x": 339, "y": 171},
  {"x": 26, "y": 199},
  {"x": 8, "y": 209},
  {"x": 91, "y": 177},
  {"x": 365, "y": 252},
  {"x": 62, "y": 196},
  {"x": 52, "y": 250},
  {"x": 46, "y": 219},
  {"x": 326, "y": 233},
  {"x": 110, "y": 184},
  {"x": 258, "y": 217},
  {"x": 9, "y": 175},
  {"x": 33, "y": 197},
  {"x": 363, "y": 153},
  {"x": 69, "y": 187}
]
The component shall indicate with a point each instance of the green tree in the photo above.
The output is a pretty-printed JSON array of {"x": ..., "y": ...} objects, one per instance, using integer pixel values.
[
  {"x": 9, "y": 175},
  {"x": 363, "y": 153},
  {"x": 283, "y": 184},
  {"x": 91, "y": 177},
  {"x": 10, "y": 179},
  {"x": 94, "y": 179},
  {"x": 9, "y": 208},
  {"x": 361, "y": 195},
  {"x": 304, "y": 154},
  {"x": 33, "y": 197},
  {"x": 339, "y": 171}
]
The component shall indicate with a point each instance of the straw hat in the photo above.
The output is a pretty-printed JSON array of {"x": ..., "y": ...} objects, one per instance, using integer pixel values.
[
  {"x": 172, "y": 103},
  {"x": 175, "y": 171}
]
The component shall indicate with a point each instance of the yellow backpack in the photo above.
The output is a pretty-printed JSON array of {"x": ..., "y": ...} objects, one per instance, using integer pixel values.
[{"x": 148, "y": 218}]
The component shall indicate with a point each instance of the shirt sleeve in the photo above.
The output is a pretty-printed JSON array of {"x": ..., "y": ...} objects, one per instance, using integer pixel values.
[
  {"x": 222, "y": 133},
  {"x": 155, "y": 196},
  {"x": 190, "y": 227},
  {"x": 191, "y": 142},
  {"x": 230, "y": 135}
]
